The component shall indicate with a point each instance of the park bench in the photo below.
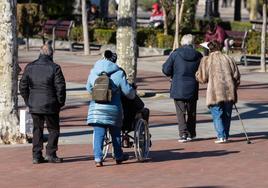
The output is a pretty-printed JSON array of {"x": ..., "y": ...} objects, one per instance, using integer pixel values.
[
  {"x": 239, "y": 38},
  {"x": 60, "y": 29}
]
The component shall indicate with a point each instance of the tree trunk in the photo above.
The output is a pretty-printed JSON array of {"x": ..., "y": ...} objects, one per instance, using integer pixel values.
[
  {"x": 179, "y": 13},
  {"x": 263, "y": 36},
  {"x": 85, "y": 28},
  {"x": 9, "y": 70},
  {"x": 165, "y": 20},
  {"x": 253, "y": 9},
  {"x": 176, "y": 38},
  {"x": 126, "y": 38}
]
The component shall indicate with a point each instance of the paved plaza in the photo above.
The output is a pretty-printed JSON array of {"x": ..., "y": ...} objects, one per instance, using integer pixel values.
[
  {"x": 200, "y": 163},
  {"x": 196, "y": 164}
]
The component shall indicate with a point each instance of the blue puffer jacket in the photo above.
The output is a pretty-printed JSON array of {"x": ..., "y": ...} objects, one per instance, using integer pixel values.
[
  {"x": 181, "y": 66},
  {"x": 108, "y": 114}
]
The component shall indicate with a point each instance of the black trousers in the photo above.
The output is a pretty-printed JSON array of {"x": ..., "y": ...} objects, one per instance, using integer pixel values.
[
  {"x": 186, "y": 115},
  {"x": 52, "y": 122}
]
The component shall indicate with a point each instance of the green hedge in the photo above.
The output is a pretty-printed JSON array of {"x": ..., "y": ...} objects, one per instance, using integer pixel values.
[
  {"x": 164, "y": 41},
  {"x": 29, "y": 18},
  {"x": 77, "y": 34},
  {"x": 146, "y": 37},
  {"x": 253, "y": 43},
  {"x": 105, "y": 36},
  {"x": 241, "y": 26}
]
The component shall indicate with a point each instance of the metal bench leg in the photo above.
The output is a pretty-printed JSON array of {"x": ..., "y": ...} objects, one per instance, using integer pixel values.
[
  {"x": 53, "y": 39},
  {"x": 70, "y": 45}
]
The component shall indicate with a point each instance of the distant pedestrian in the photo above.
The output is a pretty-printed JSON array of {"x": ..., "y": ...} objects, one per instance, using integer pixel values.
[
  {"x": 103, "y": 116},
  {"x": 181, "y": 67},
  {"x": 43, "y": 89},
  {"x": 224, "y": 4},
  {"x": 215, "y": 32},
  {"x": 156, "y": 18},
  {"x": 222, "y": 76}
]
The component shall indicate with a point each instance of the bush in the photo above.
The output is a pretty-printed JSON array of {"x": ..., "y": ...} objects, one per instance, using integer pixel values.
[
  {"x": 241, "y": 26},
  {"x": 77, "y": 34},
  {"x": 254, "y": 43},
  {"x": 145, "y": 37},
  {"x": 164, "y": 41},
  {"x": 188, "y": 16},
  {"x": 105, "y": 36},
  {"x": 146, "y": 4},
  {"x": 29, "y": 18}
]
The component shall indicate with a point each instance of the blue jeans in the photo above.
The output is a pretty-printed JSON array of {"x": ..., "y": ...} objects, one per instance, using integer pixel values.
[
  {"x": 98, "y": 139},
  {"x": 222, "y": 114}
]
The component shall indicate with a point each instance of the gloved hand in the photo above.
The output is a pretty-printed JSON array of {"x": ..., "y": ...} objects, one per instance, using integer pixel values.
[{"x": 134, "y": 86}]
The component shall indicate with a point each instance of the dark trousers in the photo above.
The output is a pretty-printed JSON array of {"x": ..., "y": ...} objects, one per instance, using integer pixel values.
[
  {"x": 186, "y": 115},
  {"x": 52, "y": 122}
]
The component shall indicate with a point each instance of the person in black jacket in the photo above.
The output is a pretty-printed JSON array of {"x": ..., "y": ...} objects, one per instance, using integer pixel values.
[
  {"x": 181, "y": 67},
  {"x": 43, "y": 89}
]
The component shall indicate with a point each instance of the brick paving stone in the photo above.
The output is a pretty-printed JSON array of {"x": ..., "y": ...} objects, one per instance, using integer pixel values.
[{"x": 196, "y": 164}]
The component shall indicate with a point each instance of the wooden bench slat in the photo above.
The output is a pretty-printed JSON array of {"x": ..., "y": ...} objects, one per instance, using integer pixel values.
[{"x": 58, "y": 29}]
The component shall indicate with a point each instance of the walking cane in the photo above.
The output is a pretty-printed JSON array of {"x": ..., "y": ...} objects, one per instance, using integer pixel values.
[{"x": 248, "y": 141}]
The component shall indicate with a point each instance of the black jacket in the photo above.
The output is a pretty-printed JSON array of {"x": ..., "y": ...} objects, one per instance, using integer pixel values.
[
  {"x": 42, "y": 86},
  {"x": 181, "y": 66}
]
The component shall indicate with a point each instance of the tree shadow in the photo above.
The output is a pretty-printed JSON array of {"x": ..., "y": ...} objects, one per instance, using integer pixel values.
[
  {"x": 173, "y": 154},
  {"x": 76, "y": 133},
  {"x": 251, "y": 135},
  {"x": 209, "y": 186},
  {"x": 260, "y": 110},
  {"x": 77, "y": 158}
]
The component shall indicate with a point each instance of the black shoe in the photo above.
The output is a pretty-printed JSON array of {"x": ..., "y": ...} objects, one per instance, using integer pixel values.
[
  {"x": 124, "y": 158},
  {"x": 54, "y": 159},
  {"x": 39, "y": 160}
]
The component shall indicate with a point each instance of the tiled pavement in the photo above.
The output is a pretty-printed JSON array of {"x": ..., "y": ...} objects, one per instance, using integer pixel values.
[{"x": 197, "y": 164}]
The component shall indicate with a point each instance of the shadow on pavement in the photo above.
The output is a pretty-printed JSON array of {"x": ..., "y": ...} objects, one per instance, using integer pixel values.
[
  {"x": 251, "y": 135},
  {"x": 77, "y": 158},
  {"x": 260, "y": 110},
  {"x": 173, "y": 154},
  {"x": 76, "y": 133},
  {"x": 216, "y": 186}
]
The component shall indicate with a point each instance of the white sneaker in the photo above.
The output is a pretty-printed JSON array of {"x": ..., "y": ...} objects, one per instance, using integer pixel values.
[
  {"x": 182, "y": 140},
  {"x": 220, "y": 141},
  {"x": 190, "y": 138}
]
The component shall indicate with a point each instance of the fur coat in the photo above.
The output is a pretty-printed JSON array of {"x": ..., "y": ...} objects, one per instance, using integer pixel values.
[{"x": 221, "y": 74}]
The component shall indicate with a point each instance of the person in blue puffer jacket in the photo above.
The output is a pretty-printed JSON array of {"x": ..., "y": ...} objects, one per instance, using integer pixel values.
[{"x": 109, "y": 115}]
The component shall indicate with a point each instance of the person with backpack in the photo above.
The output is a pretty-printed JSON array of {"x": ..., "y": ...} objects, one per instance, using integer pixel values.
[
  {"x": 105, "y": 108},
  {"x": 181, "y": 67}
]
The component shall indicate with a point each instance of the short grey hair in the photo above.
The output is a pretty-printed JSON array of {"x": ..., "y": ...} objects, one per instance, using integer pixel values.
[
  {"x": 46, "y": 49},
  {"x": 187, "y": 39}
]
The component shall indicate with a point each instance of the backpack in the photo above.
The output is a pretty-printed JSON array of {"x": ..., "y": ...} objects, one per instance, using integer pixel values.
[{"x": 102, "y": 92}]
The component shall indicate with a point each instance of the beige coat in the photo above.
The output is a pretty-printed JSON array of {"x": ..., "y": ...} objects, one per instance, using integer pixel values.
[{"x": 222, "y": 75}]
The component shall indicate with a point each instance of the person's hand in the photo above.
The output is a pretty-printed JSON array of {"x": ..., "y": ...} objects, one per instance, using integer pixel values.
[{"x": 134, "y": 86}]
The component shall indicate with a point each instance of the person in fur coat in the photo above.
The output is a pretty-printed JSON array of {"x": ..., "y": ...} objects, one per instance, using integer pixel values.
[{"x": 222, "y": 76}]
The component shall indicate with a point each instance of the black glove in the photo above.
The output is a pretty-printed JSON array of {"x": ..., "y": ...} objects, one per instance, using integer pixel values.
[{"x": 133, "y": 85}]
